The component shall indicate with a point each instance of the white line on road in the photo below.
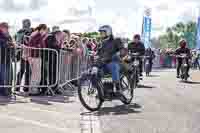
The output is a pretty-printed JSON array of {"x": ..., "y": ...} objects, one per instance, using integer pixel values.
[{"x": 90, "y": 123}]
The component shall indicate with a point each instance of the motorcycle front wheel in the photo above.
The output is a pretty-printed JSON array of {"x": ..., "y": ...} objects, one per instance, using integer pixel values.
[
  {"x": 127, "y": 90},
  {"x": 90, "y": 95}
]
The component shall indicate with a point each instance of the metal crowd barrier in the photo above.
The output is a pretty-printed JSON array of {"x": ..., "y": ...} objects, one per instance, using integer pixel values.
[
  {"x": 6, "y": 69},
  {"x": 70, "y": 67},
  {"x": 39, "y": 68},
  {"x": 29, "y": 68}
]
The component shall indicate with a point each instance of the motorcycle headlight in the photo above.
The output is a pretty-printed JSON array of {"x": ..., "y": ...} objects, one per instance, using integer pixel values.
[
  {"x": 136, "y": 63},
  {"x": 94, "y": 70}
]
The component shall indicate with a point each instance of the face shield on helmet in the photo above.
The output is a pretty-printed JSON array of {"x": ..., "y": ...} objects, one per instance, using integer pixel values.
[{"x": 105, "y": 31}]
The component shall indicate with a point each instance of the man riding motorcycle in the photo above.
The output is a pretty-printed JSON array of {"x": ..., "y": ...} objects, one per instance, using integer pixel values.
[
  {"x": 137, "y": 47},
  {"x": 182, "y": 50},
  {"x": 109, "y": 54}
]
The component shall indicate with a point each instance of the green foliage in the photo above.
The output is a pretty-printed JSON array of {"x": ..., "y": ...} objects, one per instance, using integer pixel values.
[
  {"x": 91, "y": 34},
  {"x": 177, "y": 32}
]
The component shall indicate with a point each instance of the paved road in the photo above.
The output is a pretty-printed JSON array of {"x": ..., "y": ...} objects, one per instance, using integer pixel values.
[{"x": 163, "y": 105}]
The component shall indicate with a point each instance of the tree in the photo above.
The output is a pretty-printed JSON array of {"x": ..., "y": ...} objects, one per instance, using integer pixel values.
[{"x": 180, "y": 30}]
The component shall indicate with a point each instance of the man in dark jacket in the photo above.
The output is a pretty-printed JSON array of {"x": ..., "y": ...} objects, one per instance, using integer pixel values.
[
  {"x": 182, "y": 50},
  {"x": 151, "y": 55},
  {"x": 137, "y": 47},
  {"x": 23, "y": 36},
  {"x": 109, "y": 54},
  {"x": 5, "y": 60}
]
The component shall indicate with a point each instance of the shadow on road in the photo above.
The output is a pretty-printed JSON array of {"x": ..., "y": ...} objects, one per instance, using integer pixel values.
[
  {"x": 9, "y": 100},
  {"x": 144, "y": 86},
  {"x": 117, "y": 110},
  {"x": 190, "y": 82},
  {"x": 46, "y": 100},
  {"x": 154, "y": 76}
]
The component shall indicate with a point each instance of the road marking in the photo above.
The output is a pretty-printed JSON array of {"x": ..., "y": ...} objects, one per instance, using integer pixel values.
[{"x": 89, "y": 123}]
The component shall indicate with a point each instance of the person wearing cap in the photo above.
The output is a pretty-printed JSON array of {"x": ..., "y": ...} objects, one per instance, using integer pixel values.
[
  {"x": 183, "y": 49},
  {"x": 5, "y": 59},
  {"x": 137, "y": 46}
]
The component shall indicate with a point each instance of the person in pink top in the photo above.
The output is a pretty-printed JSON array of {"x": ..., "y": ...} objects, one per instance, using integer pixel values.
[{"x": 36, "y": 58}]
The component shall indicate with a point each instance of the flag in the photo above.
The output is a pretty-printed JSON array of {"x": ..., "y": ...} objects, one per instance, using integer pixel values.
[
  {"x": 146, "y": 31},
  {"x": 198, "y": 34}
]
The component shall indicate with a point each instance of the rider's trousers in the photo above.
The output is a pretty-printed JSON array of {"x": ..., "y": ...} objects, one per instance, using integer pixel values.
[{"x": 114, "y": 69}]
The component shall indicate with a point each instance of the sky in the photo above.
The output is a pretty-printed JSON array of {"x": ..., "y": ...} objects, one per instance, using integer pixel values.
[{"x": 125, "y": 16}]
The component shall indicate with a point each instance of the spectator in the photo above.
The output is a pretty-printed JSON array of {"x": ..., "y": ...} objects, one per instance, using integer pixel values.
[
  {"x": 5, "y": 59},
  {"x": 84, "y": 45},
  {"x": 67, "y": 34},
  {"x": 95, "y": 45},
  {"x": 37, "y": 40},
  {"x": 67, "y": 38},
  {"x": 55, "y": 40},
  {"x": 23, "y": 36},
  {"x": 89, "y": 45}
]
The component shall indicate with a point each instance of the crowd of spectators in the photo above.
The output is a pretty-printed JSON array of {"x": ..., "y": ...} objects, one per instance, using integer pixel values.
[{"x": 40, "y": 37}]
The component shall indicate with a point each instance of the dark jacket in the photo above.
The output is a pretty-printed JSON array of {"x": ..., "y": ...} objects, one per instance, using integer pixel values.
[
  {"x": 136, "y": 48},
  {"x": 23, "y": 36},
  {"x": 150, "y": 53},
  {"x": 183, "y": 51},
  {"x": 51, "y": 41},
  {"x": 6, "y": 51},
  {"x": 108, "y": 49}
]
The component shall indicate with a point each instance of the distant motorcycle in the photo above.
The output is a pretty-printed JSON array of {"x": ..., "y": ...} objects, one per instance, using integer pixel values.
[
  {"x": 184, "y": 66},
  {"x": 134, "y": 68}
]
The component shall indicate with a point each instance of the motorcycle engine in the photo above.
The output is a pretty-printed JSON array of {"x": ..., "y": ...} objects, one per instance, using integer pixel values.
[{"x": 107, "y": 83}]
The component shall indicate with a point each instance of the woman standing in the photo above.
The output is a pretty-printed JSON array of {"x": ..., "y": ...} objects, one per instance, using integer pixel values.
[{"x": 37, "y": 40}]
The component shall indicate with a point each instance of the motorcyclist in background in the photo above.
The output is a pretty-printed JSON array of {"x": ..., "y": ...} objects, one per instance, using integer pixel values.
[
  {"x": 149, "y": 52},
  {"x": 109, "y": 54},
  {"x": 137, "y": 46},
  {"x": 182, "y": 50}
]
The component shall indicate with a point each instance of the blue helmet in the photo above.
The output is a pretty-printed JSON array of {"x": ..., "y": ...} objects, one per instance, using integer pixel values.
[{"x": 107, "y": 29}]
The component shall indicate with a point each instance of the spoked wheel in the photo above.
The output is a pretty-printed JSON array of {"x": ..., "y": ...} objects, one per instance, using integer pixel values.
[
  {"x": 90, "y": 96},
  {"x": 134, "y": 79},
  {"x": 184, "y": 75},
  {"x": 127, "y": 90}
]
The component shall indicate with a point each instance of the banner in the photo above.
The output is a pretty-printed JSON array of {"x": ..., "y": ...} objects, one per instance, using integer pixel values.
[
  {"x": 198, "y": 34},
  {"x": 146, "y": 30}
]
